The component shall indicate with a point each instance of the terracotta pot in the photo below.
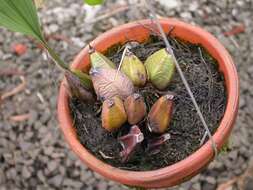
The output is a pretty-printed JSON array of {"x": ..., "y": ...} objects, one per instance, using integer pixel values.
[{"x": 193, "y": 164}]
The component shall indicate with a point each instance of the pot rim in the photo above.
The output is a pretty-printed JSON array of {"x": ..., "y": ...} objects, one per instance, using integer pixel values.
[{"x": 184, "y": 168}]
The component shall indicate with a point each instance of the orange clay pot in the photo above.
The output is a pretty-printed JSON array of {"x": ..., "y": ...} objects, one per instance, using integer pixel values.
[{"x": 193, "y": 164}]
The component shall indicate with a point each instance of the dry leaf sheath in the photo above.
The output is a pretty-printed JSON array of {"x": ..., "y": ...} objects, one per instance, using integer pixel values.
[
  {"x": 160, "y": 68},
  {"x": 154, "y": 144},
  {"x": 134, "y": 69},
  {"x": 135, "y": 108},
  {"x": 84, "y": 78},
  {"x": 105, "y": 85},
  {"x": 77, "y": 88},
  {"x": 130, "y": 142},
  {"x": 160, "y": 114},
  {"x": 113, "y": 114}
]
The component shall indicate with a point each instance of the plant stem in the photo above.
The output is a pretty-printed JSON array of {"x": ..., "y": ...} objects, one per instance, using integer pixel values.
[{"x": 56, "y": 57}]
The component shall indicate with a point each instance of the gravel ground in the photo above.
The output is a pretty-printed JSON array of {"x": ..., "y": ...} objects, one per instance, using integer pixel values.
[{"x": 33, "y": 153}]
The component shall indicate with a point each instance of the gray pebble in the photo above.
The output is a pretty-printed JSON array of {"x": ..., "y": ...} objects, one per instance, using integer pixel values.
[
  {"x": 170, "y": 4},
  {"x": 1, "y": 39},
  {"x": 48, "y": 150},
  {"x": 248, "y": 184},
  {"x": 62, "y": 170},
  {"x": 52, "y": 165},
  {"x": 208, "y": 186},
  {"x": 186, "y": 15},
  {"x": 41, "y": 176},
  {"x": 25, "y": 146},
  {"x": 11, "y": 173},
  {"x": 186, "y": 185},
  {"x": 115, "y": 188},
  {"x": 102, "y": 185},
  {"x": 233, "y": 155},
  {"x": 2, "y": 177},
  {"x": 210, "y": 180},
  {"x": 3, "y": 187},
  {"x": 85, "y": 175},
  {"x": 193, "y": 6},
  {"x": 89, "y": 188},
  {"x": 1, "y": 54},
  {"x": 25, "y": 173},
  {"x": 53, "y": 28},
  {"x": 196, "y": 186},
  {"x": 56, "y": 180},
  {"x": 91, "y": 181},
  {"x": 72, "y": 183}
]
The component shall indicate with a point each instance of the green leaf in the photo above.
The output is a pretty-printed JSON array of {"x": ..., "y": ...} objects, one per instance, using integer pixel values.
[
  {"x": 94, "y": 2},
  {"x": 20, "y": 16},
  {"x": 83, "y": 77}
]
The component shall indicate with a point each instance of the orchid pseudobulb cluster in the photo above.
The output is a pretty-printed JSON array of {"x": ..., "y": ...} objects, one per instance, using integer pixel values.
[{"x": 118, "y": 90}]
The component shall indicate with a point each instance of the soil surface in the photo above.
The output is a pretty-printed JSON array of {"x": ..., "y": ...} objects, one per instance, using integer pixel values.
[{"x": 186, "y": 129}]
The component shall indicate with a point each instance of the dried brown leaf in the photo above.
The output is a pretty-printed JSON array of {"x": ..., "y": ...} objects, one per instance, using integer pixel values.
[{"x": 105, "y": 85}]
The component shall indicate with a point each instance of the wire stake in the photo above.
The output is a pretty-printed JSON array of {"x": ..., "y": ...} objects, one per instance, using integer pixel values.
[{"x": 169, "y": 49}]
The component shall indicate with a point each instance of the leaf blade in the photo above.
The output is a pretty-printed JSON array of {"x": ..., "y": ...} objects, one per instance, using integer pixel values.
[
  {"x": 94, "y": 2},
  {"x": 20, "y": 16}
]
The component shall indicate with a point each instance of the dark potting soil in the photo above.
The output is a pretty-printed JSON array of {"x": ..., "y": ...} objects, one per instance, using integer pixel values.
[{"x": 186, "y": 129}]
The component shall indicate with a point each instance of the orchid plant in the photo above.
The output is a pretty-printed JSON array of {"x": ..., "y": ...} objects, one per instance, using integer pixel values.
[
  {"x": 105, "y": 81},
  {"x": 21, "y": 16}
]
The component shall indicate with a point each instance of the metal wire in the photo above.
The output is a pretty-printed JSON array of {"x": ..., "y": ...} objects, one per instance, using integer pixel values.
[{"x": 169, "y": 49}]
